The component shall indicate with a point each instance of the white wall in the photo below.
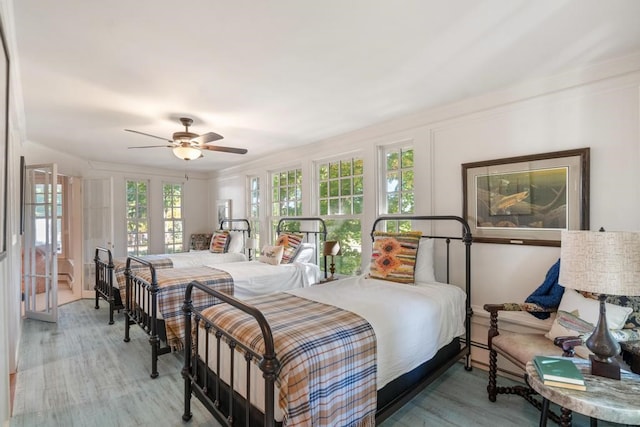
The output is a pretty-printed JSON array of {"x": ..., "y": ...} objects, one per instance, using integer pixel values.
[{"x": 596, "y": 107}]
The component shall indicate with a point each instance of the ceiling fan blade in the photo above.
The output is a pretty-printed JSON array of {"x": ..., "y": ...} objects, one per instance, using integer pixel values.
[
  {"x": 154, "y": 146},
  {"x": 207, "y": 137},
  {"x": 148, "y": 134},
  {"x": 223, "y": 149}
]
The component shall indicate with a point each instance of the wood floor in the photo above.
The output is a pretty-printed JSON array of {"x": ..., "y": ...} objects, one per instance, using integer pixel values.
[{"x": 79, "y": 372}]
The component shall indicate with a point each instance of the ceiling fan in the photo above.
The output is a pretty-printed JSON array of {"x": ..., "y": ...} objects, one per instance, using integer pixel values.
[{"x": 188, "y": 145}]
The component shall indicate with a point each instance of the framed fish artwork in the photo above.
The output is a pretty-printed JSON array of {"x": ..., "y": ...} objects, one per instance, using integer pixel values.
[{"x": 527, "y": 200}]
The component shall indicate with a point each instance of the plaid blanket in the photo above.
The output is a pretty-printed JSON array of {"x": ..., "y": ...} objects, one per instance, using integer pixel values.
[
  {"x": 327, "y": 355},
  {"x": 120, "y": 265},
  {"x": 172, "y": 283}
]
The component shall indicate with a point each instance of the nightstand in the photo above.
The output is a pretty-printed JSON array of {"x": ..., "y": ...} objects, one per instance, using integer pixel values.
[{"x": 605, "y": 399}]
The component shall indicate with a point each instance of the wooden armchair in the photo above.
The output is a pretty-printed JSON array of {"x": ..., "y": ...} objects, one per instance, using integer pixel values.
[{"x": 519, "y": 348}]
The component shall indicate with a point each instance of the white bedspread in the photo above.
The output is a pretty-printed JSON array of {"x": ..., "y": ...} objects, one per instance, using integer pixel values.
[
  {"x": 200, "y": 258},
  {"x": 411, "y": 322},
  {"x": 252, "y": 278}
]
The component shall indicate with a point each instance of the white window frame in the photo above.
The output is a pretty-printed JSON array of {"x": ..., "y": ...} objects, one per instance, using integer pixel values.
[
  {"x": 173, "y": 247},
  {"x": 135, "y": 249}
]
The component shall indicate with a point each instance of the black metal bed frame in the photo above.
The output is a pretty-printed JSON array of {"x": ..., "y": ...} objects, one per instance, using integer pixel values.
[
  {"x": 140, "y": 305},
  {"x": 230, "y": 408},
  {"x": 104, "y": 268}
]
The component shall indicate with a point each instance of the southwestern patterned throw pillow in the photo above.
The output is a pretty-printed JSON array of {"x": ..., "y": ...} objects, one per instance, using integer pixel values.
[
  {"x": 291, "y": 242},
  {"x": 394, "y": 256},
  {"x": 219, "y": 242}
]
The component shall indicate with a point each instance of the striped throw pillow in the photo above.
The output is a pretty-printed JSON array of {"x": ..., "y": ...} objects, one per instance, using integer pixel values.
[
  {"x": 219, "y": 242},
  {"x": 292, "y": 242},
  {"x": 394, "y": 256}
]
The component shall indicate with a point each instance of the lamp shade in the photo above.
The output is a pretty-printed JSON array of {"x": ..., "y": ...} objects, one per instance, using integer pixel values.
[
  {"x": 251, "y": 243},
  {"x": 187, "y": 153},
  {"x": 601, "y": 261},
  {"x": 331, "y": 248}
]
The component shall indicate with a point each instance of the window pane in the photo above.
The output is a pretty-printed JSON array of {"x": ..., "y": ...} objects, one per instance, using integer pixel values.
[
  {"x": 345, "y": 168},
  {"x": 334, "y": 191},
  {"x": 334, "y": 207},
  {"x": 333, "y": 171},
  {"x": 407, "y": 203},
  {"x": 392, "y": 161},
  {"x": 407, "y": 180},
  {"x": 323, "y": 171},
  {"x": 358, "y": 185},
  {"x": 323, "y": 190},
  {"x": 345, "y": 187},
  {"x": 393, "y": 204},
  {"x": 323, "y": 207},
  {"x": 357, "y": 205},
  {"x": 393, "y": 182},
  {"x": 407, "y": 159}
]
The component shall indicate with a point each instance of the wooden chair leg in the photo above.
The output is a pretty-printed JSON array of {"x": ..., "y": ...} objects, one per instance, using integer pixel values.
[{"x": 493, "y": 372}]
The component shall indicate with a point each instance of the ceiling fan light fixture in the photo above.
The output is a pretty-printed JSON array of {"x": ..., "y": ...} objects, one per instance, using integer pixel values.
[{"x": 187, "y": 153}]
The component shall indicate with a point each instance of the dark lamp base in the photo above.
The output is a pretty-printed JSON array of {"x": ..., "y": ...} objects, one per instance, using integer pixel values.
[{"x": 605, "y": 369}]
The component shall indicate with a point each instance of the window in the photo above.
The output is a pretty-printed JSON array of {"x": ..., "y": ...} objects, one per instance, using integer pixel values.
[
  {"x": 340, "y": 194},
  {"x": 286, "y": 193},
  {"x": 137, "y": 218},
  {"x": 398, "y": 185},
  {"x": 173, "y": 220},
  {"x": 254, "y": 209},
  {"x": 43, "y": 194}
]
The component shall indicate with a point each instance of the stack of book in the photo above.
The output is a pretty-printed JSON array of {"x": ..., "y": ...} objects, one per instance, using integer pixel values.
[{"x": 559, "y": 372}]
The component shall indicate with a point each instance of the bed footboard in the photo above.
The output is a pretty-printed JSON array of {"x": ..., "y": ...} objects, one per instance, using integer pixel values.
[
  {"x": 219, "y": 397},
  {"x": 141, "y": 307},
  {"x": 104, "y": 282}
]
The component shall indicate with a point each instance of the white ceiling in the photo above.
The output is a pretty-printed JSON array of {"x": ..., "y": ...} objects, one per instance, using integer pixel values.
[{"x": 269, "y": 75}]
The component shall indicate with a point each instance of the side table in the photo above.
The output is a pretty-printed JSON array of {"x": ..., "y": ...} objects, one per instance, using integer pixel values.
[{"x": 605, "y": 399}]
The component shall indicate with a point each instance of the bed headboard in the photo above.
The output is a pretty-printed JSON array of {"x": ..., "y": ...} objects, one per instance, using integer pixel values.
[
  {"x": 201, "y": 241},
  {"x": 313, "y": 229},
  {"x": 457, "y": 230}
]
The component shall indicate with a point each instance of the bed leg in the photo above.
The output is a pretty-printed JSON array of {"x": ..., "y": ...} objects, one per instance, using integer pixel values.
[
  {"x": 467, "y": 363},
  {"x": 127, "y": 323},
  {"x": 97, "y": 298},
  {"x": 155, "y": 342},
  {"x": 111, "y": 313},
  {"x": 186, "y": 416}
]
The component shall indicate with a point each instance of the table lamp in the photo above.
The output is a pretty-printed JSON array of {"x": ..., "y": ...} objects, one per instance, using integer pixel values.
[
  {"x": 603, "y": 262},
  {"x": 332, "y": 249},
  {"x": 251, "y": 244}
]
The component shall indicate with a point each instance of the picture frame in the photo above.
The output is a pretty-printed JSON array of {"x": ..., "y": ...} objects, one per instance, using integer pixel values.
[
  {"x": 4, "y": 140},
  {"x": 223, "y": 209},
  {"x": 527, "y": 200}
]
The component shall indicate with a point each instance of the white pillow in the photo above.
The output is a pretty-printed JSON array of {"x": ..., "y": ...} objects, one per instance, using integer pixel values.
[
  {"x": 424, "y": 263},
  {"x": 305, "y": 253},
  {"x": 587, "y": 309},
  {"x": 271, "y": 254},
  {"x": 236, "y": 245}
]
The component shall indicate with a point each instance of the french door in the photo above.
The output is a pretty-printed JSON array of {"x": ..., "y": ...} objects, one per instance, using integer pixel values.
[{"x": 41, "y": 240}]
